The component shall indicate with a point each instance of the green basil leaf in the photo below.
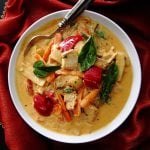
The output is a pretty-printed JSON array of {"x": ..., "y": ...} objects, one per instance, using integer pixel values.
[
  {"x": 40, "y": 73},
  {"x": 50, "y": 69},
  {"x": 87, "y": 56},
  {"x": 38, "y": 64},
  {"x": 108, "y": 81},
  {"x": 68, "y": 90},
  {"x": 100, "y": 34}
]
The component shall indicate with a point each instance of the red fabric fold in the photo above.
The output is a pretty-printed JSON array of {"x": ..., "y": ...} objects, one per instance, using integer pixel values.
[{"x": 133, "y": 16}]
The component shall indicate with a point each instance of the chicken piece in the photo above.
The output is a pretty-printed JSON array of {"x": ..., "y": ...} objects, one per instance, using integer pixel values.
[
  {"x": 101, "y": 63},
  {"x": 56, "y": 54},
  {"x": 103, "y": 46},
  {"x": 52, "y": 62},
  {"x": 91, "y": 113},
  {"x": 106, "y": 58},
  {"x": 70, "y": 99},
  {"x": 120, "y": 62},
  {"x": 68, "y": 80},
  {"x": 110, "y": 55},
  {"x": 70, "y": 60}
]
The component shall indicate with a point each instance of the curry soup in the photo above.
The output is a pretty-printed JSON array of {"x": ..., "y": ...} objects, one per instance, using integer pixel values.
[{"x": 78, "y": 81}]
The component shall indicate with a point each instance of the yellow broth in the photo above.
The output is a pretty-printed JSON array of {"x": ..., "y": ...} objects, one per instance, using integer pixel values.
[{"x": 82, "y": 124}]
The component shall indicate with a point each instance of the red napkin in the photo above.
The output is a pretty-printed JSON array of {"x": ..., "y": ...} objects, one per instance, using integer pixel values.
[{"x": 133, "y": 16}]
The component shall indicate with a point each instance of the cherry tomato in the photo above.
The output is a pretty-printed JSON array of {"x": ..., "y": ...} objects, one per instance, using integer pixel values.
[{"x": 43, "y": 104}]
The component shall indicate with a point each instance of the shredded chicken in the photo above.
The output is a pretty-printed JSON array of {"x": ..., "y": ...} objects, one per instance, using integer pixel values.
[
  {"x": 68, "y": 80},
  {"x": 56, "y": 54},
  {"x": 70, "y": 60},
  {"x": 70, "y": 99},
  {"x": 106, "y": 58}
]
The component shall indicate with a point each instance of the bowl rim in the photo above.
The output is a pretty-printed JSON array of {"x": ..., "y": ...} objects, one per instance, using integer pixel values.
[{"x": 117, "y": 121}]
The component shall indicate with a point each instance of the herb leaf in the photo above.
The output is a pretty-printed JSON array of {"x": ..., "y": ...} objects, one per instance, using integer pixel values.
[
  {"x": 100, "y": 34},
  {"x": 108, "y": 81},
  {"x": 68, "y": 90},
  {"x": 38, "y": 64},
  {"x": 49, "y": 69},
  {"x": 41, "y": 71},
  {"x": 87, "y": 56}
]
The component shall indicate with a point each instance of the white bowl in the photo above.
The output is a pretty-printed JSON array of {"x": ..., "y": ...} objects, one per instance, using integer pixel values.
[{"x": 120, "y": 118}]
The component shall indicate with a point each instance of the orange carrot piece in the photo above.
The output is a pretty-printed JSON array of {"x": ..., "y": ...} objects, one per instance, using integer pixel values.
[
  {"x": 67, "y": 115},
  {"x": 77, "y": 109},
  {"x": 89, "y": 98},
  {"x": 64, "y": 109},
  {"x": 56, "y": 40},
  {"x": 66, "y": 72},
  {"x": 48, "y": 51},
  {"x": 57, "y": 109},
  {"x": 51, "y": 77}
]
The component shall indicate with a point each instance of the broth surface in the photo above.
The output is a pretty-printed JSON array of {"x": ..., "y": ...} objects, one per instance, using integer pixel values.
[{"x": 82, "y": 124}]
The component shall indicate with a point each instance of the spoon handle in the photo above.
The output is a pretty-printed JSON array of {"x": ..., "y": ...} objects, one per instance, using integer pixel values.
[{"x": 77, "y": 9}]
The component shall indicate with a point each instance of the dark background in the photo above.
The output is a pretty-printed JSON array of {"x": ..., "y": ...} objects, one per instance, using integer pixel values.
[
  {"x": 2, "y": 141},
  {"x": 2, "y": 2}
]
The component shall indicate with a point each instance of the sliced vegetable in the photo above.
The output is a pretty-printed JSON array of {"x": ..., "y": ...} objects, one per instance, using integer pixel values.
[
  {"x": 120, "y": 62},
  {"x": 90, "y": 98},
  {"x": 43, "y": 104},
  {"x": 108, "y": 81},
  {"x": 77, "y": 109},
  {"x": 65, "y": 112},
  {"x": 70, "y": 42},
  {"x": 47, "y": 51},
  {"x": 51, "y": 77},
  {"x": 92, "y": 77},
  {"x": 55, "y": 41},
  {"x": 42, "y": 71},
  {"x": 87, "y": 56},
  {"x": 57, "y": 109}
]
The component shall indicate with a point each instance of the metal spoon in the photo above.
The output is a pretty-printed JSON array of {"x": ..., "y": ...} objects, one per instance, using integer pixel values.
[{"x": 78, "y": 8}]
